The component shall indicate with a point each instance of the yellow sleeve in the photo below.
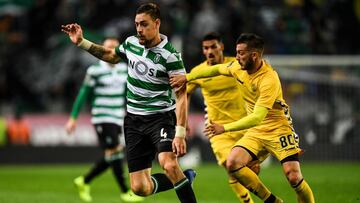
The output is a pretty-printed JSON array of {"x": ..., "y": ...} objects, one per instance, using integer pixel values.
[
  {"x": 191, "y": 86},
  {"x": 268, "y": 89},
  {"x": 220, "y": 69},
  {"x": 248, "y": 121}
]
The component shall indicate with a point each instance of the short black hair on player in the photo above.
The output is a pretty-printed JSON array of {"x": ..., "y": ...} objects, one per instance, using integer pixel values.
[
  {"x": 151, "y": 9},
  {"x": 212, "y": 36},
  {"x": 252, "y": 41}
]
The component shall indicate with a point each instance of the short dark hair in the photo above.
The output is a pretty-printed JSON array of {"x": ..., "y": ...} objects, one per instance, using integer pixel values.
[
  {"x": 252, "y": 41},
  {"x": 151, "y": 9},
  {"x": 212, "y": 36}
]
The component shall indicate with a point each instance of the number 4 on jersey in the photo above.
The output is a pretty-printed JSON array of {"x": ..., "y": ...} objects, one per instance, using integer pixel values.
[{"x": 163, "y": 134}]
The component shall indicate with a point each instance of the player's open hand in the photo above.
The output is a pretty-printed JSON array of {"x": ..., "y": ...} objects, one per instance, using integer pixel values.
[
  {"x": 70, "y": 126},
  {"x": 213, "y": 129},
  {"x": 179, "y": 146},
  {"x": 177, "y": 80},
  {"x": 74, "y": 31}
]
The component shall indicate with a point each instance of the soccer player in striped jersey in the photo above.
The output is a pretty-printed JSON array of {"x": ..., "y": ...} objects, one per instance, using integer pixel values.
[
  {"x": 224, "y": 104},
  {"x": 156, "y": 114},
  {"x": 268, "y": 121},
  {"x": 105, "y": 85}
]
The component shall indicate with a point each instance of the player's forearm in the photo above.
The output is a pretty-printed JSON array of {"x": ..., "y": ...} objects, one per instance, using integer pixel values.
[
  {"x": 99, "y": 51},
  {"x": 181, "y": 106},
  {"x": 248, "y": 121},
  {"x": 79, "y": 102}
]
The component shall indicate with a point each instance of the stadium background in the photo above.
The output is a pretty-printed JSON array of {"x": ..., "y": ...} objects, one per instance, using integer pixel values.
[{"x": 313, "y": 44}]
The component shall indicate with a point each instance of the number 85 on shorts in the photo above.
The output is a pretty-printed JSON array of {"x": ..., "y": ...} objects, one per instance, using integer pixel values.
[
  {"x": 288, "y": 146},
  {"x": 289, "y": 141}
]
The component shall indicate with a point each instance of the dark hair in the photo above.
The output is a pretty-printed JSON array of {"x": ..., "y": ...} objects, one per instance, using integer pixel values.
[
  {"x": 151, "y": 9},
  {"x": 212, "y": 36},
  {"x": 252, "y": 41}
]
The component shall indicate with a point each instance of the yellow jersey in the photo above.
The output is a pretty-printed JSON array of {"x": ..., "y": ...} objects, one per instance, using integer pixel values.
[
  {"x": 222, "y": 94},
  {"x": 263, "y": 88}
]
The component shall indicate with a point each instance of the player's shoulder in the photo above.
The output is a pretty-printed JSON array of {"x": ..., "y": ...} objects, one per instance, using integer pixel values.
[
  {"x": 132, "y": 39},
  {"x": 228, "y": 59},
  {"x": 233, "y": 64},
  {"x": 168, "y": 47},
  {"x": 269, "y": 70},
  {"x": 200, "y": 66},
  {"x": 170, "y": 53}
]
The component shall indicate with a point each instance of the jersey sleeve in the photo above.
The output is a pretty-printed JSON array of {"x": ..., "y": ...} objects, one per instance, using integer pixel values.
[
  {"x": 191, "y": 86},
  {"x": 83, "y": 95},
  {"x": 269, "y": 88},
  {"x": 174, "y": 64},
  {"x": 121, "y": 51},
  {"x": 89, "y": 78}
]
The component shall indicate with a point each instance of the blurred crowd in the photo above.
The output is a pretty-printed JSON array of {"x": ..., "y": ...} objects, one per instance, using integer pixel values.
[{"x": 41, "y": 71}]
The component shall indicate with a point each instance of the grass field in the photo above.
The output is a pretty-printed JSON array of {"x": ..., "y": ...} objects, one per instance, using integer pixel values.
[{"x": 331, "y": 182}]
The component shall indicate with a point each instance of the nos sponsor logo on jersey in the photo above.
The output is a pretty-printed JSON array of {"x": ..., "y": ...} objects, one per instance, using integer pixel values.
[{"x": 141, "y": 68}]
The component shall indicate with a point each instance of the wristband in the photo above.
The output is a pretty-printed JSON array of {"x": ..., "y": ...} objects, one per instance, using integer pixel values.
[
  {"x": 180, "y": 131},
  {"x": 85, "y": 44}
]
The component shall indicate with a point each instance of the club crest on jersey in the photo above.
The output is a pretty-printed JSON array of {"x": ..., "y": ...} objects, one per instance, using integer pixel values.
[
  {"x": 253, "y": 87},
  {"x": 157, "y": 58}
]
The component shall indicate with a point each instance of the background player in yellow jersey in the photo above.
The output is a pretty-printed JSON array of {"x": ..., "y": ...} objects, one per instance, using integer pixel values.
[
  {"x": 224, "y": 104},
  {"x": 268, "y": 120}
]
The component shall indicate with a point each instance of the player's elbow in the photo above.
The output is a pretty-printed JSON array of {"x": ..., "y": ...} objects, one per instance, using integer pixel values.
[
  {"x": 115, "y": 60},
  {"x": 110, "y": 56},
  {"x": 257, "y": 120},
  {"x": 258, "y": 116}
]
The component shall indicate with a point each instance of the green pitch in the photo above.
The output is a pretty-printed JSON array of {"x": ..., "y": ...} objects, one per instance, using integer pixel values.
[{"x": 331, "y": 182}]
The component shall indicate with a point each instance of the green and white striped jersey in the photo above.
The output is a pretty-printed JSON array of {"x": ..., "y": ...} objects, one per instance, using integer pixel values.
[
  {"x": 106, "y": 86},
  {"x": 148, "y": 87}
]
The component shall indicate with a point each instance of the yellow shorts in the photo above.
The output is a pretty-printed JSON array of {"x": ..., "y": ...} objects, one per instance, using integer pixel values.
[
  {"x": 223, "y": 143},
  {"x": 281, "y": 146}
]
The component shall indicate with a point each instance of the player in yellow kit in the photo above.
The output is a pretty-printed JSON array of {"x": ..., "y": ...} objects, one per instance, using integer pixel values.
[
  {"x": 268, "y": 120},
  {"x": 224, "y": 104}
]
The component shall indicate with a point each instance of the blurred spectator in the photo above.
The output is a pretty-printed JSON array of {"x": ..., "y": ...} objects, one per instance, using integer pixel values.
[
  {"x": 39, "y": 66},
  {"x": 18, "y": 130}
]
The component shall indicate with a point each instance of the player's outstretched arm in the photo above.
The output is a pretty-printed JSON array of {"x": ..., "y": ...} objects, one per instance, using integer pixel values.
[
  {"x": 75, "y": 33},
  {"x": 246, "y": 122},
  {"x": 179, "y": 144},
  {"x": 249, "y": 121},
  {"x": 180, "y": 80}
]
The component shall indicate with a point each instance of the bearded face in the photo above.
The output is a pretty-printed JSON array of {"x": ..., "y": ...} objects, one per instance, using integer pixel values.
[
  {"x": 245, "y": 57},
  {"x": 147, "y": 28}
]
